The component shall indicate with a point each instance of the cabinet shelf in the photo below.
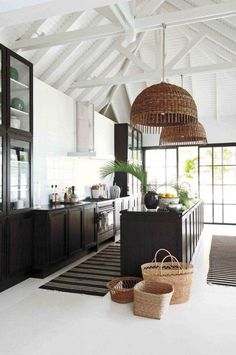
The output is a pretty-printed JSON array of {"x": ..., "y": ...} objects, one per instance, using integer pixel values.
[
  {"x": 19, "y": 112},
  {"x": 17, "y": 85}
]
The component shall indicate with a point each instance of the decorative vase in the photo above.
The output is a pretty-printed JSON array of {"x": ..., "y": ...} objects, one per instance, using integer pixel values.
[
  {"x": 14, "y": 73},
  {"x": 151, "y": 200},
  {"x": 115, "y": 191},
  {"x": 17, "y": 104}
]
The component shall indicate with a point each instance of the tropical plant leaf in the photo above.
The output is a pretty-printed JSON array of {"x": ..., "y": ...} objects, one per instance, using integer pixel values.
[{"x": 118, "y": 166}]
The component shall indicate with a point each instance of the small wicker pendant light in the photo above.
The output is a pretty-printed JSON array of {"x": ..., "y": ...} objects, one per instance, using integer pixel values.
[
  {"x": 188, "y": 134},
  {"x": 162, "y": 104}
]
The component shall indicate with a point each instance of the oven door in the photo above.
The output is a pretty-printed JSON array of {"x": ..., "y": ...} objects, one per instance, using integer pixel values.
[{"x": 105, "y": 221}]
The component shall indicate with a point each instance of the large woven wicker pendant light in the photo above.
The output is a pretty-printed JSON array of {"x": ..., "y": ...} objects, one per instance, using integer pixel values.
[
  {"x": 162, "y": 104},
  {"x": 188, "y": 134}
]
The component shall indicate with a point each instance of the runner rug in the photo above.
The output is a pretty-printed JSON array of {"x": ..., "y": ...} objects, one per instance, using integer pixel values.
[
  {"x": 222, "y": 270},
  {"x": 91, "y": 276}
]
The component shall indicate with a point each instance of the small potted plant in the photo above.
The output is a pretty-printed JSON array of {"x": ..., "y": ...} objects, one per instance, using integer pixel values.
[{"x": 149, "y": 198}]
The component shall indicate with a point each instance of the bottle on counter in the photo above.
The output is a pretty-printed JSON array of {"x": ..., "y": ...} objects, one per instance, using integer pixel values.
[
  {"x": 74, "y": 197},
  {"x": 56, "y": 195},
  {"x": 52, "y": 195},
  {"x": 66, "y": 198}
]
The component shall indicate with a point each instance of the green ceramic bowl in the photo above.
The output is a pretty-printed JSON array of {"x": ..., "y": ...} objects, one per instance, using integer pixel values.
[
  {"x": 14, "y": 73},
  {"x": 17, "y": 103}
]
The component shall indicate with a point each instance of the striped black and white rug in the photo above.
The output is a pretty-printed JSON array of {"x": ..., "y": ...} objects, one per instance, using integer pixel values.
[
  {"x": 222, "y": 270},
  {"x": 91, "y": 276}
]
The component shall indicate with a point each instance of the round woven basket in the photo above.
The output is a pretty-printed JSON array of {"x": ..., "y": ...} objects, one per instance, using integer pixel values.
[
  {"x": 152, "y": 299},
  {"x": 122, "y": 289}
]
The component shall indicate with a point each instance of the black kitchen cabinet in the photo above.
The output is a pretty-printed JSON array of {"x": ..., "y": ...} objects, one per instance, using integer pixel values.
[
  {"x": 57, "y": 236},
  {"x": 62, "y": 235},
  {"x": 75, "y": 241},
  {"x": 90, "y": 233},
  {"x": 19, "y": 244},
  {"x": 16, "y": 138}
]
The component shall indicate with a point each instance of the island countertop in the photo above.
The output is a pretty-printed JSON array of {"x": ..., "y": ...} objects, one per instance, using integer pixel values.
[{"x": 140, "y": 208}]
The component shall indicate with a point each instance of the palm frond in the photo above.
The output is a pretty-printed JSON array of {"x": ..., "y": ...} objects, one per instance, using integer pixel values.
[{"x": 118, "y": 166}]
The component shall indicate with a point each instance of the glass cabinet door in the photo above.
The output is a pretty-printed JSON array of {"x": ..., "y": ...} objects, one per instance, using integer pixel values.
[
  {"x": 19, "y": 174},
  {"x": 19, "y": 95}
]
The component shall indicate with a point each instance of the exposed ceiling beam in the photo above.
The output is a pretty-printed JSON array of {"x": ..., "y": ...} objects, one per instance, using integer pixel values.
[
  {"x": 182, "y": 17},
  {"x": 133, "y": 58},
  {"x": 126, "y": 19},
  {"x": 69, "y": 21},
  {"x": 90, "y": 33},
  {"x": 120, "y": 79},
  {"x": 11, "y": 15}
]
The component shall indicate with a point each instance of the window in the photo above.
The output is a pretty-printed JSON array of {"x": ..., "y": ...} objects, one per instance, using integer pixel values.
[{"x": 209, "y": 170}]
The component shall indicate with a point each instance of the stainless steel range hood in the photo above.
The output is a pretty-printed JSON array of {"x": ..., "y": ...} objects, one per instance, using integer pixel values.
[{"x": 84, "y": 131}]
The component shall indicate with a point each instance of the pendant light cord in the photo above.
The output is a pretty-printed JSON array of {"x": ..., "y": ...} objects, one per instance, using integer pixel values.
[
  {"x": 163, "y": 50},
  {"x": 182, "y": 80}
]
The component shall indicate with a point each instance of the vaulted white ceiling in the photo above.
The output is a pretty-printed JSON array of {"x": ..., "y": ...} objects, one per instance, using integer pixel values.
[{"x": 104, "y": 52}]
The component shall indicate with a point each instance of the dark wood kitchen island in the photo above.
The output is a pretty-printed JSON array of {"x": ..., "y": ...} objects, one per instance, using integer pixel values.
[{"x": 144, "y": 232}]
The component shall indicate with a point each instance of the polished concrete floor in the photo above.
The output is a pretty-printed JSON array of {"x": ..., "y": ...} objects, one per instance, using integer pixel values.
[{"x": 42, "y": 322}]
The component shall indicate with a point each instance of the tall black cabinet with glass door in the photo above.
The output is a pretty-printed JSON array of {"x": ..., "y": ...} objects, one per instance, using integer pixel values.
[{"x": 16, "y": 138}]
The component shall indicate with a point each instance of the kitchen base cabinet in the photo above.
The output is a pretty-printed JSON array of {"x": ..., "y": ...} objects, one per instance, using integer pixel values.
[
  {"x": 61, "y": 236},
  {"x": 90, "y": 233},
  {"x": 75, "y": 225},
  {"x": 16, "y": 249},
  {"x": 144, "y": 232},
  {"x": 19, "y": 244},
  {"x": 57, "y": 236}
]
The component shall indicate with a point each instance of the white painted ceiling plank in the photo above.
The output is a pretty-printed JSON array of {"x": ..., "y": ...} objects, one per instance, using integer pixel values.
[
  {"x": 150, "y": 7},
  {"x": 92, "y": 67},
  {"x": 67, "y": 52},
  {"x": 182, "y": 53}
]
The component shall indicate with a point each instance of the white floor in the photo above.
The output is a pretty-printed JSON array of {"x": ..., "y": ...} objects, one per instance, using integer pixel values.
[{"x": 41, "y": 322}]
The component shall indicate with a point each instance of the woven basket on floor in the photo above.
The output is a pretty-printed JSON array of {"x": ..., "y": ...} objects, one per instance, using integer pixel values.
[
  {"x": 178, "y": 274},
  {"x": 152, "y": 299},
  {"x": 121, "y": 289}
]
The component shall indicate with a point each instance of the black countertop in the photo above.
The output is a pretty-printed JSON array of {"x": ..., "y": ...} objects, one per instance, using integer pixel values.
[
  {"x": 142, "y": 209},
  {"x": 61, "y": 206}
]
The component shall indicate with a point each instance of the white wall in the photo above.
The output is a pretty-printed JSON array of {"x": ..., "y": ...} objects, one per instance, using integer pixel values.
[{"x": 54, "y": 137}]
